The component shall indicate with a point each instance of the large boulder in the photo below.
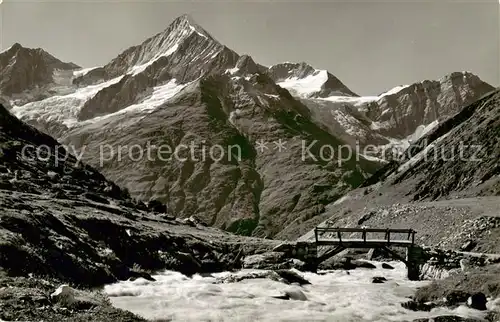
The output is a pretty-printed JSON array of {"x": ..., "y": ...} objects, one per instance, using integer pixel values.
[
  {"x": 64, "y": 295},
  {"x": 478, "y": 301},
  {"x": 456, "y": 297},
  {"x": 387, "y": 266},
  {"x": 291, "y": 277}
]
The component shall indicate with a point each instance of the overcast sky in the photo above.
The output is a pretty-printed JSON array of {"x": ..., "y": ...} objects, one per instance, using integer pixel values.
[{"x": 370, "y": 45}]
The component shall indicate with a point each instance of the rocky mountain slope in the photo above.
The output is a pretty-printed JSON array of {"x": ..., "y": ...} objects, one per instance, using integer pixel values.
[
  {"x": 152, "y": 119},
  {"x": 384, "y": 126},
  {"x": 446, "y": 186},
  {"x": 63, "y": 219}
]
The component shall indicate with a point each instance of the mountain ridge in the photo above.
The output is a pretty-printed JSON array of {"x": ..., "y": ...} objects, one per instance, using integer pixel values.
[{"x": 181, "y": 86}]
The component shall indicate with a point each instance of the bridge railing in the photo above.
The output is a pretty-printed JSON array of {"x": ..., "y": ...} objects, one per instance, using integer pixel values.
[{"x": 389, "y": 234}]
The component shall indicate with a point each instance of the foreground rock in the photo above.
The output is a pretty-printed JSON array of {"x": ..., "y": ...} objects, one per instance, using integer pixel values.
[
  {"x": 379, "y": 280},
  {"x": 29, "y": 299}
]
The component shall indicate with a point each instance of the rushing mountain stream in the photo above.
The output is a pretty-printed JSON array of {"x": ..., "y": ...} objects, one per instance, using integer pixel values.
[{"x": 333, "y": 296}]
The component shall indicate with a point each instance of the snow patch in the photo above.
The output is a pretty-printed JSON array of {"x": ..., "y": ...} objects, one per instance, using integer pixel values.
[
  {"x": 356, "y": 101},
  {"x": 62, "y": 109},
  {"x": 398, "y": 146},
  {"x": 159, "y": 96},
  {"x": 359, "y": 101},
  {"x": 419, "y": 156},
  {"x": 140, "y": 68},
  {"x": 83, "y": 72},
  {"x": 422, "y": 130},
  {"x": 5, "y": 50},
  {"x": 379, "y": 125},
  {"x": 305, "y": 87},
  {"x": 195, "y": 30},
  {"x": 395, "y": 90},
  {"x": 232, "y": 71}
]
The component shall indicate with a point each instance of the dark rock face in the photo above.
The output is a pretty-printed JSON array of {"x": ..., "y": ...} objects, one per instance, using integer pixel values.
[
  {"x": 387, "y": 266},
  {"x": 272, "y": 261},
  {"x": 379, "y": 280},
  {"x": 344, "y": 263},
  {"x": 456, "y": 297},
  {"x": 477, "y": 301}
]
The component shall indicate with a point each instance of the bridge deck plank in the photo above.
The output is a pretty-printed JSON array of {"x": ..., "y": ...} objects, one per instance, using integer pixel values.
[{"x": 360, "y": 243}]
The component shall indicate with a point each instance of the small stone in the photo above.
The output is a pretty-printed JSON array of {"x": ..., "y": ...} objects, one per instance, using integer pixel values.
[
  {"x": 387, "y": 266},
  {"x": 379, "y": 280}
]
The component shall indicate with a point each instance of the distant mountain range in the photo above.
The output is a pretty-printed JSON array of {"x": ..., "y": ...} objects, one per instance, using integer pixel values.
[{"x": 182, "y": 87}]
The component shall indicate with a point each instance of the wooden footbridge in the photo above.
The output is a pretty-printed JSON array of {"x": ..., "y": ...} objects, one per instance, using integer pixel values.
[{"x": 338, "y": 239}]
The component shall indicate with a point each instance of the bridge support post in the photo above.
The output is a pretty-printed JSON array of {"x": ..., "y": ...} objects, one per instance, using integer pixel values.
[{"x": 414, "y": 256}]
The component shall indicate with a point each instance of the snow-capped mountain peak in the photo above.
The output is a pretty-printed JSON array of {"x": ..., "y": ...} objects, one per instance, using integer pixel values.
[
  {"x": 186, "y": 22},
  {"x": 166, "y": 43}
]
